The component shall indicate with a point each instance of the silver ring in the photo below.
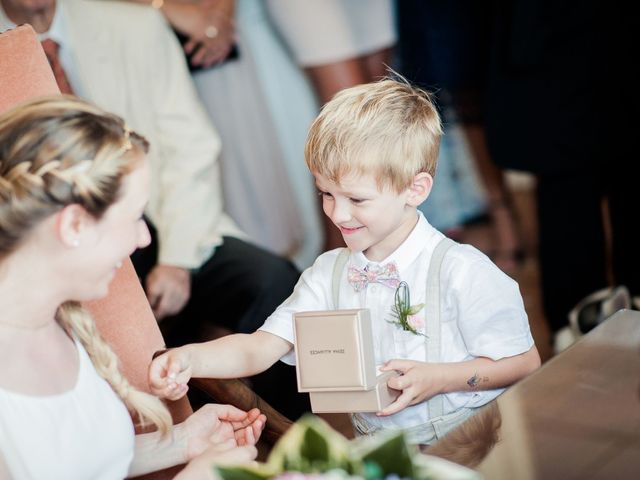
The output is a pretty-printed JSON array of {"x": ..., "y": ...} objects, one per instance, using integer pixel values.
[{"x": 211, "y": 31}]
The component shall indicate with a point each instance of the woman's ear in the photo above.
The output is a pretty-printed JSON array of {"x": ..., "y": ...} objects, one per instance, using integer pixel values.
[
  {"x": 72, "y": 221},
  {"x": 419, "y": 189}
]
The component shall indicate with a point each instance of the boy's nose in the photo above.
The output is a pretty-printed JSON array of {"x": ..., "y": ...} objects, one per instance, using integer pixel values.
[{"x": 340, "y": 212}]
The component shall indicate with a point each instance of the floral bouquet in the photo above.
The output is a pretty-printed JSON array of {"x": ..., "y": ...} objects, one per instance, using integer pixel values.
[{"x": 311, "y": 449}]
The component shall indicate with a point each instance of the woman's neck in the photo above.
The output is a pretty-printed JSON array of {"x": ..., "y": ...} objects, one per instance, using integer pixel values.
[{"x": 27, "y": 299}]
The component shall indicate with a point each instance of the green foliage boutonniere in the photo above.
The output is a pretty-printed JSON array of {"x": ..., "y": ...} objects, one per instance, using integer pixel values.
[{"x": 406, "y": 314}]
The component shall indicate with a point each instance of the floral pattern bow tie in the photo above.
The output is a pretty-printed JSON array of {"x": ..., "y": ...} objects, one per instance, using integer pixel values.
[{"x": 386, "y": 274}]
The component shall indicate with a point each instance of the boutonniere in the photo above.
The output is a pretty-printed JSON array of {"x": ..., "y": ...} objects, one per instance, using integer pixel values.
[{"x": 406, "y": 314}]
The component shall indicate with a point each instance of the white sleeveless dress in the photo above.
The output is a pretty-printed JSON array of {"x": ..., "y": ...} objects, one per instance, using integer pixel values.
[{"x": 85, "y": 433}]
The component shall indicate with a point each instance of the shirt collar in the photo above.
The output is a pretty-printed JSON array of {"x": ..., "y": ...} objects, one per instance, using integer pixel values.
[{"x": 408, "y": 250}]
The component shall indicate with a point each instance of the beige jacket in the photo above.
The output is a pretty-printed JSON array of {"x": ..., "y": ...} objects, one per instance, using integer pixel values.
[{"x": 129, "y": 62}]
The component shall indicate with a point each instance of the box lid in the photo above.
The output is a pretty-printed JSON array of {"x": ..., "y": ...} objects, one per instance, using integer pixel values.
[{"x": 334, "y": 350}]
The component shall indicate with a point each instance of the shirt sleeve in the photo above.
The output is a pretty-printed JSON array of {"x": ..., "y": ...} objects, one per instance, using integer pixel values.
[
  {"x": 189, "y": 212},
  {"x": 311, "y": 293},
  {"x": 491, "y": 316}
]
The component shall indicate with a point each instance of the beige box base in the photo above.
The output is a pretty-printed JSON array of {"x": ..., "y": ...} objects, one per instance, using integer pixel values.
[{"x": 372, "y": 400}]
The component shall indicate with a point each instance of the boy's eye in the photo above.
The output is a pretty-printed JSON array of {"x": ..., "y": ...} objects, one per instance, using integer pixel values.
[{"x": 357, "y": 200}]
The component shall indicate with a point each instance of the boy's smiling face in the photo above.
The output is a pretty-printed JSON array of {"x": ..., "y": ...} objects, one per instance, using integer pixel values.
[{"x": 372, "y": 220}]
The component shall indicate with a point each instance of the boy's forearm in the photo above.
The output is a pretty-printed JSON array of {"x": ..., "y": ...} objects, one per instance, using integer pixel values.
[
  {"x": 486, "y": 374},
  {"x": 236, "y": 356}
]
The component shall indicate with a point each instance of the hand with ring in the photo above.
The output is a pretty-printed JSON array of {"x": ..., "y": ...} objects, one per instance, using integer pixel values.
[{"x": 209, "y": 26}]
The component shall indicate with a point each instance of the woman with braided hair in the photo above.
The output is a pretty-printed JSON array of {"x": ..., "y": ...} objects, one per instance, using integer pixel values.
[{"x": 73, "y": 185}]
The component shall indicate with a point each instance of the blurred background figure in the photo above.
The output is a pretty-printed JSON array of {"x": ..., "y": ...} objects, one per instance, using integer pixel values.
[
  {"x": 444, "y": 47},
  {"x": 262, "y": 106},
  {"x": 561, "y": 100},
  {"x": 338, "y": 43},
  {"x": 199, "y": 270}
]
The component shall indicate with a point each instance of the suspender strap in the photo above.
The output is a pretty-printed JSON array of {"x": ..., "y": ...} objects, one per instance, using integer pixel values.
[
  {"x": 432, "y": 308},
  {"x": 432, "y": 320},
  {"x": 343, "y": 256}
]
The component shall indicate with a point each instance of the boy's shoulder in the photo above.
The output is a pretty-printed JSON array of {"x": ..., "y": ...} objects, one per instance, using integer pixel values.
[
  {"x": 324, "y": 264},
  {"x": 465, "y": 262},
  {"x": 464, "y": 252}
]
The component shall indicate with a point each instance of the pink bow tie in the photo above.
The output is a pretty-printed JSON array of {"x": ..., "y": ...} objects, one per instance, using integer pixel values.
[{"x": 386, "y": 274}]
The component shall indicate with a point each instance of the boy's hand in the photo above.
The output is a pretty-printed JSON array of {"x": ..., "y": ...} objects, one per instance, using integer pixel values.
[
  {"x": 418, "y": 381},
  {"x": 169, "y": 374}
]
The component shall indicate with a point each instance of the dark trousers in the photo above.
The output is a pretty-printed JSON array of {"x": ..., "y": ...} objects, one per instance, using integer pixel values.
[
  {"x": 572, "y": 245},
  {"x": 237, "y": 288}
]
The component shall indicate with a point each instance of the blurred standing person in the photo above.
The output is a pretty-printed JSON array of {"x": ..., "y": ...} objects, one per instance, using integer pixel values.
[
  {"x": 262, "y": 106},
  {"x": 339, "y": 43},
  {"x": 555, "y": 83},
  {"x": 445, "y": 46}
]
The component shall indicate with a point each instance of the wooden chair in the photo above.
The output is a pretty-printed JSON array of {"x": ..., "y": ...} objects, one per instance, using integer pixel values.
[{"x": 124, "y": 317}]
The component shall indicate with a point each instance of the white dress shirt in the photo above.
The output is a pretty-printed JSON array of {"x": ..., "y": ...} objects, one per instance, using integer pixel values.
[{"x": 482, "y": 312}]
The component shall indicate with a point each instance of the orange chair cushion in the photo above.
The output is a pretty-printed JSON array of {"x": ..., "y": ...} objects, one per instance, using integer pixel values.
[{"x": 24, "y": 69}]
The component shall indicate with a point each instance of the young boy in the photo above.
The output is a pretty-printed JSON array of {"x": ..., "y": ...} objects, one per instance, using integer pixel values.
[{"x": 373, "y": 151}]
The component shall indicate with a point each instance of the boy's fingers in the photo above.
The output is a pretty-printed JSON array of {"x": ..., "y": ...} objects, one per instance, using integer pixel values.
[
  {"x": 158, "y": 372},
  {"x": 399, "y": 382},
  {"x": 177, "y": 393},
  {"x": 401, "y": 402},
  {"x": 174, "y": 367},
  {"x": 399, "y": 365}
]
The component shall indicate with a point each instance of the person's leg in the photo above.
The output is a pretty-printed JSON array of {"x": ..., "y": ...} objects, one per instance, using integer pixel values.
[
  {"x": 330, "y": 78},
  {"x": 507, "y": 250},
  {"x": 376, "y": 64},
  {"x": 571, "y": 242}
]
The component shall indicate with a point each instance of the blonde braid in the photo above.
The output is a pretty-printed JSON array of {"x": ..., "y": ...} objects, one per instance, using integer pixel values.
[
  {"x": 148, "y": 407},
  {"x": 58, "y": 151}
]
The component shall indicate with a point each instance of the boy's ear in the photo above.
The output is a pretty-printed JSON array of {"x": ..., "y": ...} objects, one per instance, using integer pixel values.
[
  {"x": 419, "y": 189},
  {"x": 70, "y": 224}
]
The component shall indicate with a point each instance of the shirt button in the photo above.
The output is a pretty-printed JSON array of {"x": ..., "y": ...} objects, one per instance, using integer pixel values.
[{"x": 374, "y": 289}]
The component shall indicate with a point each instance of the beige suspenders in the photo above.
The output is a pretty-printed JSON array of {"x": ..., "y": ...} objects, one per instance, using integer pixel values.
[{"x": 432, "y": 307}]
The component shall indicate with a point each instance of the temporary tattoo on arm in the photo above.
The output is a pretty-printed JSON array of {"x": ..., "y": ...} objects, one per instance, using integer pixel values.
[{"x": 473, "y": 381}]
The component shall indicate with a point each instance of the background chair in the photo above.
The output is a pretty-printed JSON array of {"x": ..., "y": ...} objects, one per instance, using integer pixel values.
[{"x": 124, "y": 317}]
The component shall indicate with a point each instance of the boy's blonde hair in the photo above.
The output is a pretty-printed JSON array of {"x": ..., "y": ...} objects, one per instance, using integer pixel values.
[
  {"x": 387, "y": 128},
  {"x": 57, "y": 151}
]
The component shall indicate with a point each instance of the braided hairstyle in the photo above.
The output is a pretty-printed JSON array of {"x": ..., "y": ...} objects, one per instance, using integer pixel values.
[{"x": 57, "y": 151}]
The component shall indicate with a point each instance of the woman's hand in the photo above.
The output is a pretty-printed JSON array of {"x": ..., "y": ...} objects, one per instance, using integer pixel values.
[
  {"x": 200, "y": 468},
  {"x": 209, "y": 26},
  {"x": 221, "y": 426},
  {"x": 419, "y": 381}
]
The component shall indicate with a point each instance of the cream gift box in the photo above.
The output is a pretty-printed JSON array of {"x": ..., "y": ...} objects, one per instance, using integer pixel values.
[{"x": 335, "y": 362}]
